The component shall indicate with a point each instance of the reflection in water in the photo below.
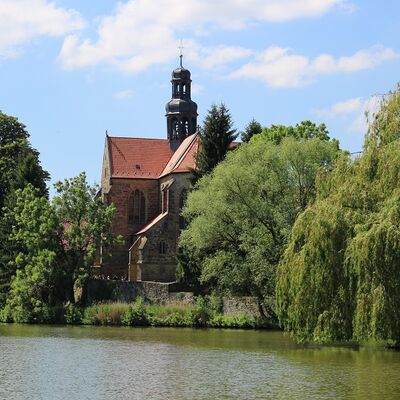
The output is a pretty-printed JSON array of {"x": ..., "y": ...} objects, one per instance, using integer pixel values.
[{"x": 47, "y": 362}]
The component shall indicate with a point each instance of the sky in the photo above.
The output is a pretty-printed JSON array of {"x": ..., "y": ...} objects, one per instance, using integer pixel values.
[{"x": 72, "y": 69}]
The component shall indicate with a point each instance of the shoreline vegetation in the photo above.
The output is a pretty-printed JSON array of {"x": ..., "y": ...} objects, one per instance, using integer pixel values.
[
  {"x": 202, "y": 314},
  {"x": 287, "y": 218}
]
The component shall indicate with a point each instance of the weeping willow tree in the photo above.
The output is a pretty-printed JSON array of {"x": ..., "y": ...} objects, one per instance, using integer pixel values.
[{"x": 339, "y": 278}]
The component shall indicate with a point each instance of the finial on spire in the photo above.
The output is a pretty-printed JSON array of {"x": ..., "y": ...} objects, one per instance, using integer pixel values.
[{"x": 180, "y": 47}]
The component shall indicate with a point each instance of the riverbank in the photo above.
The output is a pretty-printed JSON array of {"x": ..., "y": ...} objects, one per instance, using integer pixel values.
[
  {"x": 204, "y": 313},
  {"x": 173, "y": 315}
]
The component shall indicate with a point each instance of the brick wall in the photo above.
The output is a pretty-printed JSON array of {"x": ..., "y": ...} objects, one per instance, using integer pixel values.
[{"x": 119, "y": 194}]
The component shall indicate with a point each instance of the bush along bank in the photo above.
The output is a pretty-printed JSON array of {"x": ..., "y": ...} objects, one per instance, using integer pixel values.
[
  {"x": 206, "y": 312},
  {"x": 201, "y": 314}
]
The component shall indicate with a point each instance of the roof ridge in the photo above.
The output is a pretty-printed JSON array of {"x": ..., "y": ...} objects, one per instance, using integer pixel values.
[
  {"x": 179, "y": 161},
  {"x": 136, "y": 138}
]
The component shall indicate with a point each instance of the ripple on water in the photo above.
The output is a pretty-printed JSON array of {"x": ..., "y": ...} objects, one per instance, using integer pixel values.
[{"x": 155, "y": 363}]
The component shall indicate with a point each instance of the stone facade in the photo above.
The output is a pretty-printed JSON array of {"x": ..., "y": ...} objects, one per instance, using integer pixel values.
[
  {"x": 147, "y": 181},
  {"x": 153, "y": 254}
]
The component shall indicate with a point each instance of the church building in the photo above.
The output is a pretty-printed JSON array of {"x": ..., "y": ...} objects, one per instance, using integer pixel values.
[{"x": 147, "y": 180}]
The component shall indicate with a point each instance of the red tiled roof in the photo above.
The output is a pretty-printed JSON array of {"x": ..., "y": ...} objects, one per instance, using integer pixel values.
[
  {"x": 137, "y": 157},
  {"x": 184, "y": 157}
]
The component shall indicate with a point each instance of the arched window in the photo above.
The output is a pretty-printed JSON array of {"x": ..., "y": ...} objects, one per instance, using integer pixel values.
[
  {"x": 164, "y": 200},
  {"x": 137, "y": 208},
  {"x": 182, "y": 200},
  {"x": 163, "y": 247},
  {"x": 185, "y": 123},
  {"x": 175, "y": 128}
]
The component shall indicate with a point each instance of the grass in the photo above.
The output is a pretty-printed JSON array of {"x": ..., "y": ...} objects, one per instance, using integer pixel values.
[{"x": 199, "y": 314}]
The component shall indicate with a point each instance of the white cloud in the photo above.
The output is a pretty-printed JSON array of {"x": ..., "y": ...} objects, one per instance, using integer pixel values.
[
  {"x": 23, "y": 20},
  {"x": 357, "y": 111},
  {"x": 215, "y": 56},
  {"x": 370, "y": 107},
  {"x": 279, "y": 67},
  {"x": 340, "y": 108},
  {"x": 196, "y": 88},
  {"x": 141, "y": 32},
  {"x": 123, "y": 94}
]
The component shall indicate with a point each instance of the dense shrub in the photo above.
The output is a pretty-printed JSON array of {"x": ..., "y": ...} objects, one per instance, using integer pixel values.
[
  {"x": 105, "y": 314},
  {"x": 136, "y": 314}
]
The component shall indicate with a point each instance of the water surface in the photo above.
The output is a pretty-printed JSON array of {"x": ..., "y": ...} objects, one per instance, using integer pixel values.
[{"x": 50, "y": 362}]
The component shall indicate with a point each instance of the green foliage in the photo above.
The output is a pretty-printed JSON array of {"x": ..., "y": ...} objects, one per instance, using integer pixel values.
[
  {"x": 240, "y": 216},
  {"x": 34, "y": 284},
  {"x": 201, "y": 312},
  {"x": 53, "y": 247},
  {"x": 85, "y": 226},
  {"x": 105, "y": 314},
  {"x": 188, "y": 268},
  {"x": 253, "y": 128},
  {"x": 234, "y": 321},
  {"x": 177, "y": 315},
  {"x": 19, "y": 166},
  {"x": 304, "y": 130},
  {"x": 205, "y": 312},
  {"x": 215, "y": 137},
  {"x": 339, "y": 279},
  {"x": 136, "y": 314},
  {"x": 72, "y": 314}
]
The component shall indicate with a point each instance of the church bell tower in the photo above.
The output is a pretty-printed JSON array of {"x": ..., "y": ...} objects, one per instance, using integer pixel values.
[{"x": 181, "y": 111}]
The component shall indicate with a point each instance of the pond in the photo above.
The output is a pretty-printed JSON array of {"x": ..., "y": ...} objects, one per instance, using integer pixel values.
[{"x": 74, "y": 362}]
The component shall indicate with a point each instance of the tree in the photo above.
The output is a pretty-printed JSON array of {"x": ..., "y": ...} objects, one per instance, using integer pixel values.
[
  {"x": 55, "y": 245},
  {"x": 240, "y": 216},
  {"x": 339, "y": 276},
  {"x": 19, "y": 162},
  {"x": 215, "y": 138},
  {"x": 304, "y": 130},
  {"x": 84, "y": 226},
  {"x": 253, "y": 128},
  {"x": 35, "y": 267},
  {"x": 19, "y": 166}
]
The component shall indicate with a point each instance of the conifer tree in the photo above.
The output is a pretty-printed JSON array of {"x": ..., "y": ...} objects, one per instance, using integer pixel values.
[
  {"x": 216, "y": 136},
  {"x": 252, "y": 128}
]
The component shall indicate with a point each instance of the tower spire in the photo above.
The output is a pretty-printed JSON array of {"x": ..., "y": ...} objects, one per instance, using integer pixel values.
[
  {"x": 180, "y": 47},
  {"x": 181, "y": 110}
]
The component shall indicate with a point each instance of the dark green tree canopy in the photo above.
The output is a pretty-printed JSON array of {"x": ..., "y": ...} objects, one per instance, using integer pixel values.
[
  {"x": 19, "y": 162},
  {"x": 216, "y": 135},
  {"x": 252, "y": 128},
  {"x": 241, "y": 214}
]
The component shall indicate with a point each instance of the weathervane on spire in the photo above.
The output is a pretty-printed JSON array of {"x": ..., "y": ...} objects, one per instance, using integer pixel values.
[{"x": 180, "y": 47}]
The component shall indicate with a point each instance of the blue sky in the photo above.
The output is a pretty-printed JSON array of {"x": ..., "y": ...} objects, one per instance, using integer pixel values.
[{"x": 70, "y": 70}]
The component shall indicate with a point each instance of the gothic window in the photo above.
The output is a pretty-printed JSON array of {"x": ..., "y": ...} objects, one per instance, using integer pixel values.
[
  {"x": 163, "y": 247},
  {"x": 182, "y": 200},
  {"x": 184, "y": 89},
  {"x": 165, "y": 199},
  {"x": 137, "y": 208}
]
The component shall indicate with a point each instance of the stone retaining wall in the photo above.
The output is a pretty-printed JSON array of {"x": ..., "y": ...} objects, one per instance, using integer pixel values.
[
  {"x": 127, "y": 292},
  {"x": 161, "y": 293}
]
